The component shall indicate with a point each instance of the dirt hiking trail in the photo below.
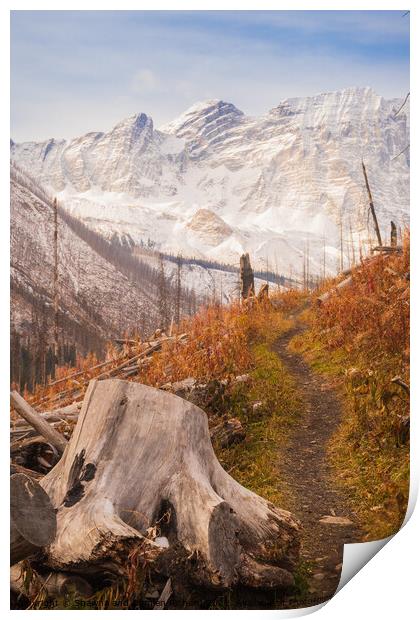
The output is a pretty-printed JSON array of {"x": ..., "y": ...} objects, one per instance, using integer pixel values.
[{"x": 310, "y": 489}]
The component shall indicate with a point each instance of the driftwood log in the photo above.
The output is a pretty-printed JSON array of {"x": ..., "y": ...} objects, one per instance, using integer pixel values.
[
  {"x": 141, "y": 456},
  {"x": 32, "y": 518}
]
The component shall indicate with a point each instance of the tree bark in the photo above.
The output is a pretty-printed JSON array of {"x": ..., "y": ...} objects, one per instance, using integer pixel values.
[
  {"x": 32, "y": 518},
  {"x": 140, "y": 457}
]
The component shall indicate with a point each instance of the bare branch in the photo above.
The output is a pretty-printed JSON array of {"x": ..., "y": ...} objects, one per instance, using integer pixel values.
[
  {"x": 402, "y": 105},
  {"x": 401, "y": 152}
]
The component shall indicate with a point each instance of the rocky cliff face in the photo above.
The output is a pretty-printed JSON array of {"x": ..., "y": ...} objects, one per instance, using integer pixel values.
[{"x": 273, "y": 186}]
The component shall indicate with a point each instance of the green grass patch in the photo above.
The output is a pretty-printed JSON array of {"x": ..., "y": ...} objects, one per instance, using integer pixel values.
[{"x": 268, "y": 406}]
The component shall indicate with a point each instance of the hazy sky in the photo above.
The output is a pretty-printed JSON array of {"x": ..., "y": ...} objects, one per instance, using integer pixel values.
[{"x": 79, "y": 71}]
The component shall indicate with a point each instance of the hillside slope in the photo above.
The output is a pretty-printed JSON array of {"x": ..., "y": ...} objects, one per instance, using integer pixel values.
[{"x": 96, "y": 296}]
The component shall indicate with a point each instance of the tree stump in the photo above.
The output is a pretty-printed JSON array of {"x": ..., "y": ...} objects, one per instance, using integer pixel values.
[
  {"x": 246, "y": 276},
  {"x": 32, "y": 518},
  {"x": 394, "y": 235},
  {"x": 263, "y": 292},
  {"x": 140, "y": 456}
]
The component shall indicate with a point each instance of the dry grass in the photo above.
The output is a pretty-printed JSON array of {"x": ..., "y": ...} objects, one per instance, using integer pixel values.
[{"x": 361, "y": 336}]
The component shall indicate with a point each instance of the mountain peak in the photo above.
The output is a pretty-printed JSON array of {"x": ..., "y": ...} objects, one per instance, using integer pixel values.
[
  {"x": 200, "y": 114},
  {"x": 138, "y": 121}
]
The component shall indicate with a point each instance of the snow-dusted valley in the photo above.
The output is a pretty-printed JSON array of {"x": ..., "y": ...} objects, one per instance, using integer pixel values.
[{"x": 215, "y": 183}]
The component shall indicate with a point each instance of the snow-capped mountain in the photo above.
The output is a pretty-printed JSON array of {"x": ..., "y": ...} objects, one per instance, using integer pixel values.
[{"x": 215, "y": 183}]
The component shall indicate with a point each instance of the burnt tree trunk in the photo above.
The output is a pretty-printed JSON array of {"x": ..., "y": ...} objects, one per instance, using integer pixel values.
[
  {"x": 394, "y": 236},
  {"x": 138, "y": 453},
  {"x": 246, "y": 276}
]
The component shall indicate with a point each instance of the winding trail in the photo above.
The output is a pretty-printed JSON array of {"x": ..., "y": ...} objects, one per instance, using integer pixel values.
[{"x": 310, "y": 489}]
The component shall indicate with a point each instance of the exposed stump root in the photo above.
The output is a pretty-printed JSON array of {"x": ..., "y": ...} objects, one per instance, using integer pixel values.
[{"x": 140, "y": 457}]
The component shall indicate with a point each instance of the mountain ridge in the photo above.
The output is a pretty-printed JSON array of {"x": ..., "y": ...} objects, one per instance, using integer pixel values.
[{"x": 278, "y": 183}]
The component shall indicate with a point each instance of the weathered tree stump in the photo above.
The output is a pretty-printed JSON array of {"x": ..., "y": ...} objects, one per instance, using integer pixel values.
[
  {"x": 32, "y": 518},
  {"x": 138, "y": 453}
]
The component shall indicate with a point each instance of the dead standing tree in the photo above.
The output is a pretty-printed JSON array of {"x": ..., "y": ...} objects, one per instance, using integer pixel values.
[
  {"x": 56, "y": 349},
  {"x": 246, "y": 277},
  {"x": 372, "y": 208},
  {"x": 163, "y": 295},
  {"x": 178, "y": 289},
  {"x": 219, "y": 534}
]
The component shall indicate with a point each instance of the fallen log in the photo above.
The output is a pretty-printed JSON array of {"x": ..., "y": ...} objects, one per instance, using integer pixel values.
[
  {"x": 30, "y": 415},
  {"x": 34, "y": 453},
  {"x": 152, "y": 347},
  {"x": 81, "y": 372},
  {"x": 32, "y": 518},
  {"x": 388, "y": 249},
  {"x": 138, "y": 455},
  {"x": 19, "y": 469},
  {"x": 343, "y": 284},
  {"x": 62, "y": 414},
  {"x": 55, "y": 585}
]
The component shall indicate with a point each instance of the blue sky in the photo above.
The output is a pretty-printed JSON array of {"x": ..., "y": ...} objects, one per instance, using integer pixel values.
[{"x": 79, "y": 71}]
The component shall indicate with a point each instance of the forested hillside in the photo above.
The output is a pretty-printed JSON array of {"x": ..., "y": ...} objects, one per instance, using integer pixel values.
[{"x": 103, "y": 290}]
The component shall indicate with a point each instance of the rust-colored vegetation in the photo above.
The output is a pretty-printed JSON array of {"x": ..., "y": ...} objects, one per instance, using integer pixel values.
[{"x": 361, "y": 334}]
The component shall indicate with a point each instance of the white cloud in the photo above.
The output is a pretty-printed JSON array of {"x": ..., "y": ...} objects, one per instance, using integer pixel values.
[{"x": 144, "y": 80}]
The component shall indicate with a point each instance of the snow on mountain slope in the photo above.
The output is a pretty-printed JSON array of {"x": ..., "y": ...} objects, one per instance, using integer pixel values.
[
  {"x": 94, "y": 294},
  {"x": 98, "y": 300},
  {"x": 215, "y": 183}
]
